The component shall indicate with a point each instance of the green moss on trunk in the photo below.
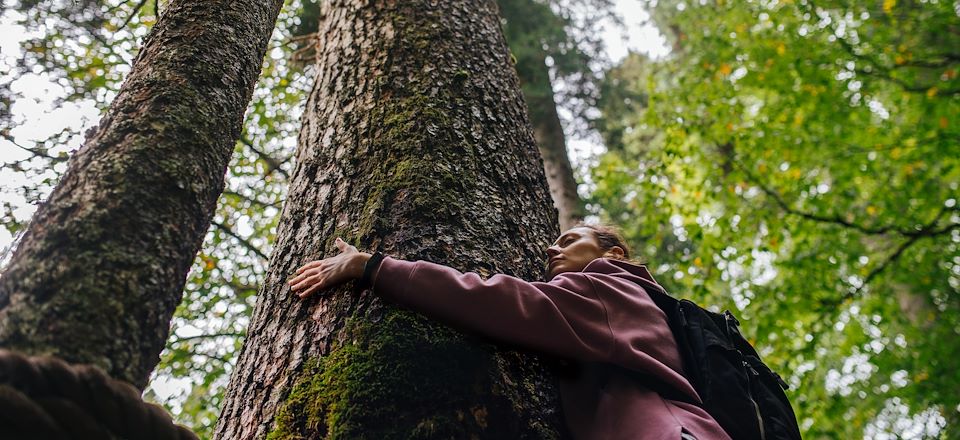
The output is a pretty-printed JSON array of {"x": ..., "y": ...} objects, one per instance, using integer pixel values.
[{"x": 393, "y": 366}]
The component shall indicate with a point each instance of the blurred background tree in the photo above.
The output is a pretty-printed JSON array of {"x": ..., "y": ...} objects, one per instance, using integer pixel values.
[{"x": 793, "y": 161}]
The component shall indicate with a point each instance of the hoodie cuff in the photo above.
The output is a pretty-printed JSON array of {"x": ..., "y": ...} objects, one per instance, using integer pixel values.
[{"x": 393, "y": 277}]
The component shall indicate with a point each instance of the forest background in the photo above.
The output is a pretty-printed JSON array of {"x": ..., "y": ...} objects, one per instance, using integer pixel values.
[{"x": 793, "y": 161}]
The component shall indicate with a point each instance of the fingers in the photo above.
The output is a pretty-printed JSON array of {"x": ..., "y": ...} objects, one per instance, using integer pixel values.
[
  {"x": 308, "y": 276},
  {"x": 310, "y": 282},
  {"x": 317, "y": 275},
  {"x": 317, "y": 286},
  {"x": 309, "y": 265},
  {"x": 304, "y": 274},
  {"x": 303, "y": 282},
  {"x": 344, "y": 247}
]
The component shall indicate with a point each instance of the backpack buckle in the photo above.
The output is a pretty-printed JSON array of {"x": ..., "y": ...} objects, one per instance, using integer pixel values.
[{"x": 729, "y": 317}]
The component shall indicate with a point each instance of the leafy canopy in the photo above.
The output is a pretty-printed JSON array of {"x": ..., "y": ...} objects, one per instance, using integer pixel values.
[{"x": 797, "y": 162}]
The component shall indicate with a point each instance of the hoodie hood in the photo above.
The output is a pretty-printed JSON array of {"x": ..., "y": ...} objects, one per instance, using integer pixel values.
[{"x": 622, "y": 268}]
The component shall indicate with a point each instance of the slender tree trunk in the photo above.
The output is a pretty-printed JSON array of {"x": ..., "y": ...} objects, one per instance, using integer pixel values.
[
  {"x": 538, "y": 93},
  {"x": 100, "y": 270},
  {"x": 556, "y": 164},
  {"x": 415, "y": 142},
  {"x": 529, "y": 25}
]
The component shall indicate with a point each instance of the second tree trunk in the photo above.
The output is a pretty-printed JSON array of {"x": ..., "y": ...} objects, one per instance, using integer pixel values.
[{"x": 101, "y": 268}]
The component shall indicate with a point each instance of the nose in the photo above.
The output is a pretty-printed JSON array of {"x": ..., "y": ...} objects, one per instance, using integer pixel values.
[{"x": 553, "y": 251}]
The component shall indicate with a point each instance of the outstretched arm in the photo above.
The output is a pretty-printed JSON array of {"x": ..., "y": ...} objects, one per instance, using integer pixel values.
[{"x": 563, "y": 317}]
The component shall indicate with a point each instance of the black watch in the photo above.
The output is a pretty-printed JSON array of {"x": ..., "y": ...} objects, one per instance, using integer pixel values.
[{"x": 368, "y": 270}]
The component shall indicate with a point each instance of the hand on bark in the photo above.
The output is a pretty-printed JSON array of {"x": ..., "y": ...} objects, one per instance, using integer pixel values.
[{"x": 320, "y": 274}]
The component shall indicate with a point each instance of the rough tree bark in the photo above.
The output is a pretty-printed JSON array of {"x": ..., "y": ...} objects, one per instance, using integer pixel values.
[
  {"x": 102, "y": 266},
  {"x": 541, "y": 107},
  {"x": 538, "y": 92},
  {"x": 415, "y": 142}
]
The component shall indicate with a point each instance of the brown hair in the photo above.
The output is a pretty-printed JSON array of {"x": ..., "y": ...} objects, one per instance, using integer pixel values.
[{"x": 608, "y": 237}]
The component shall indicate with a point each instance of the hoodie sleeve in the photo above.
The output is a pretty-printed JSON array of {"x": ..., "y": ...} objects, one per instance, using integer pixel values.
[
  {"x": 601, "y": 315},
  {"x": 563, "y": 317}
]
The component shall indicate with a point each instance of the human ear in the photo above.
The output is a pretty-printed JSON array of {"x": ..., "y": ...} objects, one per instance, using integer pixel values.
[{"x": 615, "y": 253}]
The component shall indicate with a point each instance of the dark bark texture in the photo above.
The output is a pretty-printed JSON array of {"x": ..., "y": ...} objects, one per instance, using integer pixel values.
[
  {"x": 415, "y": 142},
  {"x": 100, "y": 270}
]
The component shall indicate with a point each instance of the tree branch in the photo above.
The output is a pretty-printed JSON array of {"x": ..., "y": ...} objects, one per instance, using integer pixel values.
[
  {"x": 36, "y": 151},
  {"x": 907, "y": 87},
  {"x": 117, "y": 6},
  {"x": 243, "y": 241},
  {"x": 886, "y": 73},
  {"x": 253, "y": 200},
  {"x": 205, "y": 355},
  {"x": 836, "y": 219},
  {"x": 947, "y": 61},
  {"x": 176, "y": 339},
  {"x": 308, "y": 47},
  {"x": 928, "y": 230},
  {"x": 272, "y": 163},
  {"x": 134, "y": 13}
]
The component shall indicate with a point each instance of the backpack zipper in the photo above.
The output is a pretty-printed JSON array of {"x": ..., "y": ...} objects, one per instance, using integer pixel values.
[
  {"x": 756, "y": 408},
  {"x": 733, "y": 324}
]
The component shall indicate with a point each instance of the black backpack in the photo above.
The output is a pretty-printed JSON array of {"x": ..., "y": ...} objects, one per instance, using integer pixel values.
[{"x": 745, "y": 397}]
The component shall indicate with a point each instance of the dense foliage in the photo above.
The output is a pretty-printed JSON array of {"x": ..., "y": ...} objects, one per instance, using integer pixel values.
[{"x": 797, "y": 162}]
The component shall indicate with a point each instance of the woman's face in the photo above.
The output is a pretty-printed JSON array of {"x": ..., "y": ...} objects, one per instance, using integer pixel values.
[{"x": 573, "y": 251}]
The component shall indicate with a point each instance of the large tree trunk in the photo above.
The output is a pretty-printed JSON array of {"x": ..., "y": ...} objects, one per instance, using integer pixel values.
[
  {"x": 100, "y": 270},
  {"x": 538, "y": 92},
  {"x": 415, "y": 142}
]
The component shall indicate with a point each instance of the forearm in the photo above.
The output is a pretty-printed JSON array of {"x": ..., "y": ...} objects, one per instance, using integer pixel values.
[{"x": 562, "y": 317}]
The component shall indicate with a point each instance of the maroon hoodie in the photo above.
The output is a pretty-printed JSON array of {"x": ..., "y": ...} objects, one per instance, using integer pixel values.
[{"x": 599, "y": 316}]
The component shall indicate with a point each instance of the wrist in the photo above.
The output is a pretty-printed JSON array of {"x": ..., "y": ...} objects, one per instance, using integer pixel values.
[
  {"x": 359, "y": 264},
  {"x": 370, "y": 269}
]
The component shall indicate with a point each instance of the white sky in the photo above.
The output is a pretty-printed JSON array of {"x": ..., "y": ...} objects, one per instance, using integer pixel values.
[{"x": 637, "y": 37}]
